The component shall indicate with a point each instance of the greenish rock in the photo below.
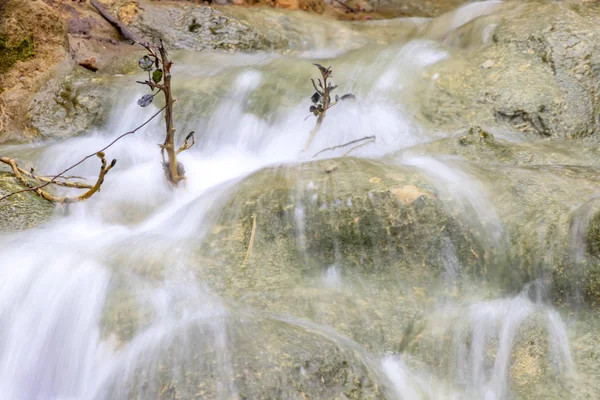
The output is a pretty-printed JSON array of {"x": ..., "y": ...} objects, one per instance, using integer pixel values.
[
  {"x": 360, "y": 214},
  {"x": 247, "y": 356},
  {"x": 543, "y": 193},
  {"x": 10, "y": 53},
  {"x": 536, "y": 74},
  {"x": 243, "y": 29},
  {"x": 74, "y": 104},
  {"x": 199, "y": 28},
  {"x": 511, "y": 347},
  {"x": 23, "y": 210}
]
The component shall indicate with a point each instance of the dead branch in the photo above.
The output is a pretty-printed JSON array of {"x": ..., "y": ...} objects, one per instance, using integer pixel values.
[
  {"x": 119, "y": 26},
  {"x": 53, "y": 180},
  {"x": 31, "y": 175},
  {"x": 251, "y": 242},
  {"x": 370, "y": 139},
  {"x": 19, "y": 172}
]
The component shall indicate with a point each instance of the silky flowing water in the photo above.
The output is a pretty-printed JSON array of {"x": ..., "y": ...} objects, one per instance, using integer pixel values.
[{"x": 111, "y": 298}]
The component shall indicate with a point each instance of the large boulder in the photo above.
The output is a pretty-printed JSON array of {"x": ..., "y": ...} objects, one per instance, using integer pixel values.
[
  {"x": 336, "y": 242},
  {"x": 538, "y": 72},
  {"x": 362, "y": 215},
  {"x": 505, "y": 348},
  {"x": 246, "y": 357},
  {"x": 544, "y": 196},
  {"x": 231, "y": 29}
]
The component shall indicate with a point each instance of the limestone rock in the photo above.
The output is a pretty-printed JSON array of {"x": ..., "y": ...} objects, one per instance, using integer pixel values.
[{"x": 21, "y": 211}]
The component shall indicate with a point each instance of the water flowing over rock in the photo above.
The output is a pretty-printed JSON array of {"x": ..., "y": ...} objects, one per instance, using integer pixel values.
[
  {"x": 356, "y": 214},
  {"x": 537, "y": 183},
  {"x": 456, "y": 255},
  {"x": 535, "y": 73}
]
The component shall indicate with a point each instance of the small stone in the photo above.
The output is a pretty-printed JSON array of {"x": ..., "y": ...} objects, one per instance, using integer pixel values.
[
  {"x": 330, "y": 167},
  {"x": 488, "y": 64},
  {"x": 89, "y": 63}
]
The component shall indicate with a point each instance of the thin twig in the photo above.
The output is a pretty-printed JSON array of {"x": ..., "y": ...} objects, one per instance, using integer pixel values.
[
  {"x": 358, "y": 146},
  {"x": 186, "y": 145},
  {"x": 371, "y": 138},
  {"x": 53, "y": 180},
  {"x": 251, "y": 242}
]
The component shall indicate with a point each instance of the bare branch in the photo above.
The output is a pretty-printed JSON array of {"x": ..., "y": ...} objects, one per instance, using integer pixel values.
[
  {"x": 18, "y": 172},
  {"x": 331, "y": 105},
  {"x": 185, "y": 144},
  {"x": 370, "y": 139},
  {"x": 31, "y": 175},
  {"x": 122, "y": 28},
  {"x": 314, "y": 130},
  {"x": 152, "y": 85},
  {"x": 61, "y": 174}
]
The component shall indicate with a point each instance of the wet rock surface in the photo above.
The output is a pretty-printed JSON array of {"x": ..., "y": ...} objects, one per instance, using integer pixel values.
[
  {"x": 361, "y": 214},
  {"x": 73, "y": 105},
  {"x": 198, "y": 28},
  {"x": 543, "y": 195},
  {"x": 536, "y": 74},
  {"x": 21, "y": 211},
  {"x": 284, "y": 359}
]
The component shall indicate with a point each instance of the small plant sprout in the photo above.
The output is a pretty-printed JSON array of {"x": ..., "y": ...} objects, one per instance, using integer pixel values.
[
  {"x": 158, "y": 65},
  {"x": 321, "y": 100}
]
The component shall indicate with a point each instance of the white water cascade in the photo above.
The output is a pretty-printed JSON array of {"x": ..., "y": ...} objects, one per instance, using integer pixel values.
[{"x": 112, "y": 297}]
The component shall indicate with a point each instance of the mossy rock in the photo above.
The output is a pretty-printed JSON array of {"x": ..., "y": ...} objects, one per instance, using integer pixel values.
[
  {"x": 543, "y": 194},
  {"x": 10, "y": 53},
  {"x": 509, "y": 347},
  {"x": 245, "y": 356},
  {"x": 74, "y": 104},
  {"x": 363, "y": 215},
  {"x": 199, "y": 28},
  {"x": 21, "y": 211}
]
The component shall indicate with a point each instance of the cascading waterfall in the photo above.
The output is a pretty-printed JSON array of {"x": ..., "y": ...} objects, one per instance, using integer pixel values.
[{"x": 113, "y": 297}]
